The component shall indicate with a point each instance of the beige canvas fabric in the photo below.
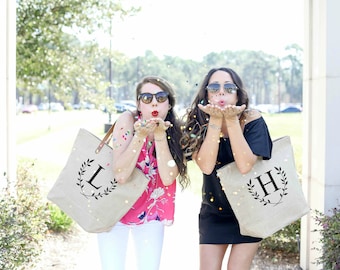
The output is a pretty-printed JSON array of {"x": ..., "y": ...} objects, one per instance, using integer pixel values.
[
  {"x": 270, "y": 196},
  {"x": 86, "y": 189}
]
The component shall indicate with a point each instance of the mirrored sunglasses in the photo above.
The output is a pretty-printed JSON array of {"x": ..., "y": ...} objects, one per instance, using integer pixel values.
[
  {"x": 148, "y": 97},
  {"x": 228, "y": 87}
]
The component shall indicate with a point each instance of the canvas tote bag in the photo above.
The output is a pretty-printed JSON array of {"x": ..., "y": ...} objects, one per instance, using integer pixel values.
[
  {"x": 86, "y": 189},
  {"x": 270, "y": 196}
]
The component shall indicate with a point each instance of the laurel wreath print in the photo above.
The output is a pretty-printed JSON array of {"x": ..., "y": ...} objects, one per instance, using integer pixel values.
[
  {"x": 80, "y": 182},
  {"x": 264, "y": 201}
]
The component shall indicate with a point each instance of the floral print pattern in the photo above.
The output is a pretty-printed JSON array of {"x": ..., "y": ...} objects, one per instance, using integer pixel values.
[{"x": 158, "y": 201}]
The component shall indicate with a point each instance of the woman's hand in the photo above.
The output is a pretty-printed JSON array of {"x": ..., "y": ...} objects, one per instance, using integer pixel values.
[
  {"x": 212, "y": 110},
  {"x": 230, "y": 112},
  {"x": 141, "y": 128},
  {"x": 152, "y": 125},
  {"x": 160, "y": 127}
]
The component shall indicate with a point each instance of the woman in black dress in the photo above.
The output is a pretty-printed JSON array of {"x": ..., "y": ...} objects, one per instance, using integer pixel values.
[{"x": 221, "y": 129}]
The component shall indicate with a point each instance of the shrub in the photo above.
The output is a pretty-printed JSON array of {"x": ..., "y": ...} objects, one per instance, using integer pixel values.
[
  {"x": 22, "y": 221},
  {"x": 59, "y": 221},
  {"x": 284, "y": 241},
  {"x": 330, "y": 238}
]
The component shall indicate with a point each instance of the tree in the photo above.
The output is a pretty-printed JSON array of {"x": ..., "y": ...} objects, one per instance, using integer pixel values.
[
  {"x": 49, "y": 55},
  {"x": 293, "y": 69}
]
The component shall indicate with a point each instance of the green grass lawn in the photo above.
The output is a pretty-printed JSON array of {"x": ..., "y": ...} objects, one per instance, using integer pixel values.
[
  {"x": 33, "y": 126},
  {"x": 288, "y": 124},
  {"x": 46, "y": 138}
]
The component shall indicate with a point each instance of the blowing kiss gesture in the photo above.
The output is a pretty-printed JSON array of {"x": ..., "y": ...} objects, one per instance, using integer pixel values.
[
  {"x": 152, "y": 125},
  {"x": 228, "y": 112}
]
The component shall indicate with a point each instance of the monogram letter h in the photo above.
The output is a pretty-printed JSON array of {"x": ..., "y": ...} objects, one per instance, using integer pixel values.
[{"x": 263, "y": 185}]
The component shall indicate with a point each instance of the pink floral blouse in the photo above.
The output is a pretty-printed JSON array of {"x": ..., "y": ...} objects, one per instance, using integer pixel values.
[{"x": 158, "y": 201}]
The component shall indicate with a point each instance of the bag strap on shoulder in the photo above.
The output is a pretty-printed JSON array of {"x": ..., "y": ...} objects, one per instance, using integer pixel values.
[{"x": 106, "y": 139}]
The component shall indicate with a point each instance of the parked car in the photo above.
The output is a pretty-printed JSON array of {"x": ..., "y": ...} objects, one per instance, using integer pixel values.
[
  {"x": 291, "y": 109},
  {"x": 43, "y": 106},
  {"x": 57, "y": 107},
  {"x": 76, "y": 106},
  {"x": 84, "y": 105},
  {"x": 120, "y": 107},
  {"x": 30, "y": 108},
  {"x": 89, "y": 106},
  {"x": 125, "y": 105}
]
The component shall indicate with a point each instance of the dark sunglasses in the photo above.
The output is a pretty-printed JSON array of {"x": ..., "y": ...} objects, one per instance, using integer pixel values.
[
  {"x": 148, "y": 97},
  {"x": 228, "y": 87}
]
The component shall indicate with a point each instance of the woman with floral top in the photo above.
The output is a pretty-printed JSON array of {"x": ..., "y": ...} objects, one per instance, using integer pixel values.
[{"x": 148, "y": 140}]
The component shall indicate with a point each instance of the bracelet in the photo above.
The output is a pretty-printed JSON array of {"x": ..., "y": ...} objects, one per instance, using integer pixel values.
[{"x": 213, "y": 126}]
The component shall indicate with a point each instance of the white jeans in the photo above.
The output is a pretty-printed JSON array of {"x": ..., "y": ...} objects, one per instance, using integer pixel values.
[{"x": 147, "y": 240}]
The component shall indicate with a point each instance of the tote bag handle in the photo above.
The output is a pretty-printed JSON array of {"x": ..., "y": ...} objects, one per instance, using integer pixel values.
[{"x": 106, "y": 139}]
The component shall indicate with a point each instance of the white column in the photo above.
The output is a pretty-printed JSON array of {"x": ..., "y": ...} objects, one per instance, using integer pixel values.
[
  {"x": 7, "y": 92},
  {"x": 321, "y": 101}
]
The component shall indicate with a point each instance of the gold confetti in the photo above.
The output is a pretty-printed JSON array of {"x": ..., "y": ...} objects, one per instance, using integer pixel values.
[{"x": 171, "y": 163}]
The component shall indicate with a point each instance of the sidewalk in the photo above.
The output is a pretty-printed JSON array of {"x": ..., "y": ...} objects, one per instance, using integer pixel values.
[{"x": 180, "y": 249}]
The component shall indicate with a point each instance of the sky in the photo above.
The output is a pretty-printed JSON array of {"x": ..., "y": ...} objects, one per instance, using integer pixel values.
[{"x": 191, "y": 29}]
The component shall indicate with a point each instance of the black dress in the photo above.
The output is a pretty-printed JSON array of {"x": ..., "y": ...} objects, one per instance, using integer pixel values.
[{"x": 217, "y": 221}]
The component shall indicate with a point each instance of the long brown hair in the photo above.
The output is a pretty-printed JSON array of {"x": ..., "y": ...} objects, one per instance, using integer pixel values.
[{"x": 196, "y": 120}]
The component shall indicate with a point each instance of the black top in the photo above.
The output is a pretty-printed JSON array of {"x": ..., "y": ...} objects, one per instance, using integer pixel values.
[
  {"x": 257, "y": 135},
  {"x": 214, "y": 200}
]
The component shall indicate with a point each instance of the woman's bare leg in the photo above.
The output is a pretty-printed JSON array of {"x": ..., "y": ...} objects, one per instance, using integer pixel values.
[
  {"x": 242, "y": 255},
  {"x": 211, "y": 256}
]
